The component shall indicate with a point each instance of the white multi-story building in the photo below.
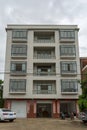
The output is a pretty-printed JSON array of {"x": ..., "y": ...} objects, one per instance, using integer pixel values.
[{"x": 42, "y": 70}]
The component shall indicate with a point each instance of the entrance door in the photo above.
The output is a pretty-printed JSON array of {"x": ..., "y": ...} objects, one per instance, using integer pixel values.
[
  {"x": 44, "y": 110},
  {"x": 67, "y": 107}
]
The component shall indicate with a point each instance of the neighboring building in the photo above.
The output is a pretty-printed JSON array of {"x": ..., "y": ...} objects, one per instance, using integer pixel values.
[
  {"x": 83, "y": 64},
  {"x": 42, "y": 70}
]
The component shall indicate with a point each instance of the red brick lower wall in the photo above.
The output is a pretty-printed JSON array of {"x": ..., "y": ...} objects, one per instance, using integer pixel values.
[{"x": 31, "y": 108}]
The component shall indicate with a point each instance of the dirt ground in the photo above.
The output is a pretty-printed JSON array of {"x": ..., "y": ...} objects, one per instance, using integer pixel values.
[{"x": 43, "y": 124}]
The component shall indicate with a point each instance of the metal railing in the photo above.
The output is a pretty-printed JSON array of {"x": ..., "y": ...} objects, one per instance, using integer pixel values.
[
  {"x": 45, "y": 73},
  {"x": 44, "y": 91},
  {"x": 44, "y": 56},
  {"x": 44, "y": 41}
]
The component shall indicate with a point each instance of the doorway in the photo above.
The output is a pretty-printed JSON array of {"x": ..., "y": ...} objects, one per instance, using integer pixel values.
[{"x": 44, "y": 110}]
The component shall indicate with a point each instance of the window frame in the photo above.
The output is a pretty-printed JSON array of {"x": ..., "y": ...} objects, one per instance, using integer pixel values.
[
  {"x": 19, "y": 34},
  {"x": 19, "y": 85},
  {"x": 67, "y": 50},
  {"x": 13, "y": 67},
  {"x": 18, "y": 50},
  {"x": 67, "y": 34},
  {"x": 66, "y": 84},
  {"x": 68, "y": 67}
]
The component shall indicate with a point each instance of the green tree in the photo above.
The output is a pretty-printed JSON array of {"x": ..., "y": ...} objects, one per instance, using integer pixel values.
[
  {"x": 1, "y": 94},
  {"x": 83, "y": 98}
]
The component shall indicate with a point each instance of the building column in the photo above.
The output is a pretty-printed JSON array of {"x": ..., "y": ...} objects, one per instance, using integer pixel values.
[
  {"x": 35, "y": 109},
  {"x": 32, "y": 109},
  {"x": 58, "y": 108},
  {"x": 7, "y": 104},
  {"x": 55, "y": 108},
  {"x": 77, "y": 107},
  {"x": 28, "y": 108}
]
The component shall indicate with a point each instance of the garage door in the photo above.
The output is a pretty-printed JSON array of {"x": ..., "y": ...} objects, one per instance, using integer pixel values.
[{"x": 20, "y": 108}]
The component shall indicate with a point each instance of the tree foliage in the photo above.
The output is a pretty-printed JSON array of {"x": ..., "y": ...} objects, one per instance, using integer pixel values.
[{"x": 83, "y": 98}]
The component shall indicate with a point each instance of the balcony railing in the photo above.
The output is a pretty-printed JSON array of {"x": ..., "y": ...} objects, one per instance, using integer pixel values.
[
  {"x": 44, "y": 41},
  {"x": 45, "y": 73},
  {"x": 44, "y": 56},
  {"x": 44, "y": 91}
]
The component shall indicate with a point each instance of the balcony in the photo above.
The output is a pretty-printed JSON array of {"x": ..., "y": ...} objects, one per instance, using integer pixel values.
[
  {"x": 44, "y": 37},
  {"x": 44, "y": 91},
  {"x": 44, "y": 69},
  {"x": 44, "y": 87},
  {"x": 44, "y": 52}
]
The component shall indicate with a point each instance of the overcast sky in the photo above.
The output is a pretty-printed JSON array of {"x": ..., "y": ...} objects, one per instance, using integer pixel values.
[{"x": 43, "y": 12}]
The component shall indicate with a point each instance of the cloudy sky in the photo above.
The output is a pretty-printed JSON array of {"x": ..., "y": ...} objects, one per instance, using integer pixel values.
[{"x": 43, "y": 12}]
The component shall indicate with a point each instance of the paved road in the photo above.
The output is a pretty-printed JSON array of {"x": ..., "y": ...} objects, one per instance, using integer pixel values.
[{"x": 43, "y": 124}]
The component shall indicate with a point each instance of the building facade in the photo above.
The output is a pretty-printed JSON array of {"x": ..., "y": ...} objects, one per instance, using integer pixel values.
[{"x": 42, "y": 70}]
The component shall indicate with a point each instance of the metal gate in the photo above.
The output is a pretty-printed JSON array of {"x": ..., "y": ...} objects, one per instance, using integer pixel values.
[{"x": 44, "y": 110}]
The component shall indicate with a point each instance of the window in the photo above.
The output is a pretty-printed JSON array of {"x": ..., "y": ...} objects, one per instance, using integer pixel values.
[
  {"x": 69, "y": 85},
  {"x": 67, "y": 34},
  {"x": 19, "y": 34},
  {"x": 18, "y": 66},
  {"x": 44, "y": 88},
  {"x": 67, "y": 50},
  {"x": 68, "y": 67},
  {"x": 19, "y": 50},
  {"x": 44, "y": 69},
  {"x": 17, "y": 85}
]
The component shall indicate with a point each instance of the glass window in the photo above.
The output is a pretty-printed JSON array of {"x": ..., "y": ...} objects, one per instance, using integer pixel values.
[
  {"x": 67, "y": 50},
  {"x": 19, "y": 50},
  {"x": 18, "y": 67},
  {"x": 17, "y": 85},
  {"x": 69, "y": 85},
  {"x": 19, "y": 34},
  {"x": 67, "y": 34},
  {"x": 68, "y": 67}
]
